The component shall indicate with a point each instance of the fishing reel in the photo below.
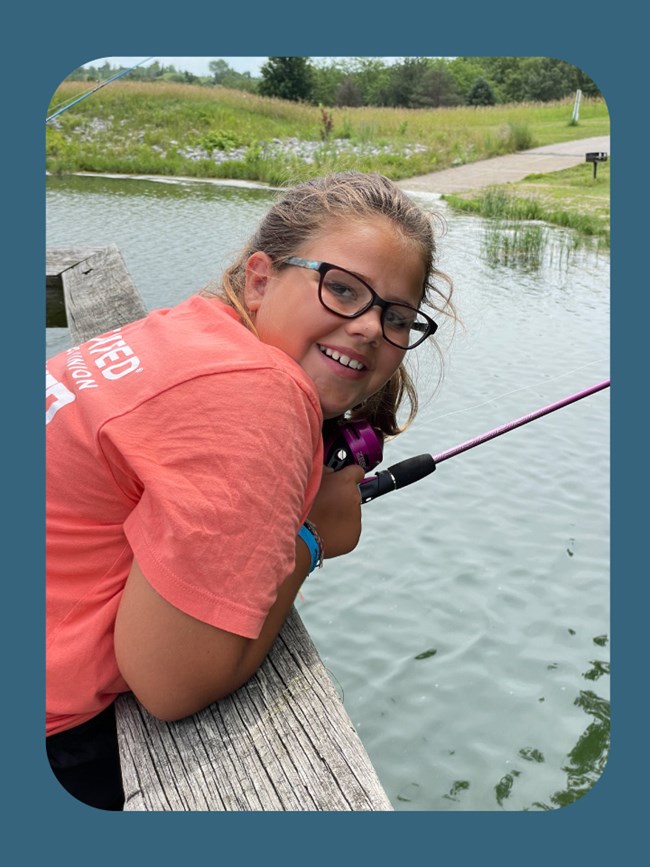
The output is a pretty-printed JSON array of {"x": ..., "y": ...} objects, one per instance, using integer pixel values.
[
  {"x": 357, "y": 442},
  {"x": 348, "y": 442}
]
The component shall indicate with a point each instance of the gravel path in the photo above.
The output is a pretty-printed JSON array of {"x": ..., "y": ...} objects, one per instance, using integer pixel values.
[{"x": 503, "y": 170}]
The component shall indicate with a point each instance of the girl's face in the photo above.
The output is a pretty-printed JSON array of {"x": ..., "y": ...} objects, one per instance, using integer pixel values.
[{"x": 287, "y": 313}]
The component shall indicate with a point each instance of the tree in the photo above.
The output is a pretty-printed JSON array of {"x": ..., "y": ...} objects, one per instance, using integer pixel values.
[
  {"x": 481, "y": 93},
  {"x": 437, "y": 88},
  {"x": 546, "y": 79},
  {"x": 521, "y": 79},
  {"x": 225, "y": 76},
  {"x": 349, "y": 93},
  {"x": 586, "y": 84},
  {"x": 327, "y": 79},
  {"x": 405, "y": 80},
  {"x": 465, "y": 71},
  {"x": 287, "y": 78},
  {"x": 219, "y": 69}
]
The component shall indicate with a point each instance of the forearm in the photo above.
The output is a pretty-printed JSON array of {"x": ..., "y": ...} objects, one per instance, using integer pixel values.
[
  {"x": 259, "y": 647},
  {"x": 175, "y": 664}
]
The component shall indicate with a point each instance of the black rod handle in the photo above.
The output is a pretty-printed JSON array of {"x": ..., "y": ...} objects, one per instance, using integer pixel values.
[{"x": 395, "y": 477}]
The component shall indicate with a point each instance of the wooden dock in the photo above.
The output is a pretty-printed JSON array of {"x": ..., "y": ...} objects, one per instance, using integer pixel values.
[
  {"x": 89, "y": 290},
  {"x": 283, "y": 741}
]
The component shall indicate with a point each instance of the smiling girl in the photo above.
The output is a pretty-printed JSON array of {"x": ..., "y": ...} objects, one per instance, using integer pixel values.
[{"x": 186, "y": 496}]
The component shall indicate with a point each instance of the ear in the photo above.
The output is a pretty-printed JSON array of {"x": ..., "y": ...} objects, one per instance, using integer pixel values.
[{"x": 258, "y": 272}]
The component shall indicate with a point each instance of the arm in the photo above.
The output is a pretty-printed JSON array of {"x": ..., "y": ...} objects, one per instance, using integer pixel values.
[{"x": 175, "y": 664}]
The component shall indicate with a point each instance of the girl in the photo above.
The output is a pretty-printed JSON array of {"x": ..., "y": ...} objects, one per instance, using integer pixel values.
[{"x": 186, "y": 497}]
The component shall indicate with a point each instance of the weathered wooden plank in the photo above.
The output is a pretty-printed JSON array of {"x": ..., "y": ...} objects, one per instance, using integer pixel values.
[
  {"x": 100, "y": 295},
  {"x": 90, "y": 290},
  {"x": 58, "y": 260},
  {"x": 282, "y": 742}
]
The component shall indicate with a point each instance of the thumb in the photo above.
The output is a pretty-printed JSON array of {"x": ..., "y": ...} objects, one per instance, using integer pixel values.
[{"x": 353, "y": 471}]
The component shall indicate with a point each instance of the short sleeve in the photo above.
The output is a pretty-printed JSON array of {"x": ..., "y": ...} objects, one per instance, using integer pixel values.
[{"x": 228, "y": 466}]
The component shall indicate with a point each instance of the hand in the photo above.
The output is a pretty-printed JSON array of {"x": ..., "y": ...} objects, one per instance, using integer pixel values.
[{"x": 336, "y": 511}]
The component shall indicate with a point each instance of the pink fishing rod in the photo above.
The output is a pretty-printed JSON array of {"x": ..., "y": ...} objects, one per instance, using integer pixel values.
[
  {"x": 414, "y": 469},
  {"x": 504, "y": 428}
]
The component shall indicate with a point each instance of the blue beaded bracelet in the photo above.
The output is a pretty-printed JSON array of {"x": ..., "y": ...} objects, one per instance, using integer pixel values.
[{"x": 312, "y": 540}]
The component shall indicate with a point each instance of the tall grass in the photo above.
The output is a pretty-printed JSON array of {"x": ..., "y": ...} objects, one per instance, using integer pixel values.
[
  {"x": 149, "y": 127},
  {"x": 514, "y": 244},
  {"x": 571, "y": 199}
]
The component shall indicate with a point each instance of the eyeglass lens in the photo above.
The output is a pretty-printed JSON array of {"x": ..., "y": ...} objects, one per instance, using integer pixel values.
[{"x": 346, "y": 295}]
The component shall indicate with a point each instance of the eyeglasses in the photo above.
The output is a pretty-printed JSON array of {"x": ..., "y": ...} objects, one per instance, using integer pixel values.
[{"x": 347, "y": 295}]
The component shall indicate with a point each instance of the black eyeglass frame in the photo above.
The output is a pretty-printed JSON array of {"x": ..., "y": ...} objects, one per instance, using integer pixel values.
[{"x": 375, "y": 301}]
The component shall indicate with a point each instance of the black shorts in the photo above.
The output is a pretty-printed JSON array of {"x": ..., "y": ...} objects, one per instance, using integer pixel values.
[{"x": 86, "y": 761}]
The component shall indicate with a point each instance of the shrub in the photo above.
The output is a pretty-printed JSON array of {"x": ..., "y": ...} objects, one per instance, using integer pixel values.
[
  {"x": 521, "y": 137},
  {"x": 217, "y": 140}
]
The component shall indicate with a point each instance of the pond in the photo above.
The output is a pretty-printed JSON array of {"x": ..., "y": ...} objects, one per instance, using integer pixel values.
[{"x": 468, "y": 634}]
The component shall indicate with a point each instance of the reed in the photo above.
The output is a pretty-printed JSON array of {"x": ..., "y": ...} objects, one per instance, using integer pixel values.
[{"x": 513, "y": 244}]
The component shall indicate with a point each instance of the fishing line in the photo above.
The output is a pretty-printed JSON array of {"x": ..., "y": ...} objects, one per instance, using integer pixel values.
[
  {"x": 515, "y": 391},
  {"x": 95, "y": 89},
  {"x": 416, "y": 468},
  {"x": 511, "y": 425}
]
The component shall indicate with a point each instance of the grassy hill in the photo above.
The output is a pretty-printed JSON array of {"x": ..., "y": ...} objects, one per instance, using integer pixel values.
[{"x": 186, "y": 130}]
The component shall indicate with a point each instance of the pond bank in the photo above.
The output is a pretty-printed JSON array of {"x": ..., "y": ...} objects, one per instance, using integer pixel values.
[
  {"x": 471, "y": 176},
  {"x": 507, "y": 169}
]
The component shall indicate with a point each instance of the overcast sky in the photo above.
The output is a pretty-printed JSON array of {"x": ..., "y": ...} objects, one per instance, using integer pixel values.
[{"x": 197, "y": 65}]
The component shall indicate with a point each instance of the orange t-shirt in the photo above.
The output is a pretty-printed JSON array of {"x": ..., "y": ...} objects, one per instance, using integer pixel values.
[{"x": 184, "y": 441}]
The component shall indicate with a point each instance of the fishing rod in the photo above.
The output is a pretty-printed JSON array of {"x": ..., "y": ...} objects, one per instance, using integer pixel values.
[
  {"x": 95, "y": 89},
  {"x": 413, "y": 469}
]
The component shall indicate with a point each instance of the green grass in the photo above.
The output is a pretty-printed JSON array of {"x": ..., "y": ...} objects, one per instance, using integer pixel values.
[
  {"x": 571, "y": 198},
  {"x": 145, "y": 128}
]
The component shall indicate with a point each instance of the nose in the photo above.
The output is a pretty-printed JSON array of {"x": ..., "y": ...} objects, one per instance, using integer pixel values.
[{"x": 368, "y": 325}]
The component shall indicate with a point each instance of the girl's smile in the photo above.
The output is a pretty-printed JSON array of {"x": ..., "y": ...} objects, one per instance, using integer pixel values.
[
  {"x": 343, "y": 357},
  {"x": 347, "y": 359}
]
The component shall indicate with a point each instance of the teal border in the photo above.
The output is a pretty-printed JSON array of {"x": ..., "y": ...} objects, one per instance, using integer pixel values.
[{"x": 43, "y": 45}]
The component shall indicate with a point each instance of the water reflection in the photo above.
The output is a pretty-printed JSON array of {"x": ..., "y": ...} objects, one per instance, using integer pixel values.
[
  {"x": 157, "y": 189},
  {"x": 585, "y": 763},
  {"x": 174, "y": 237},
  {"x": 532, "y": 246}
]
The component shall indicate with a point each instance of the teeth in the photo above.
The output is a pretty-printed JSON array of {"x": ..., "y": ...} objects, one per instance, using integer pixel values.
[{"x": 342, "y": 359}]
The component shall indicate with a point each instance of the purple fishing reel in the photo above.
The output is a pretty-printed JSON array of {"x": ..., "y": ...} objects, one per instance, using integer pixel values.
[{"x": 352, "y": 442}]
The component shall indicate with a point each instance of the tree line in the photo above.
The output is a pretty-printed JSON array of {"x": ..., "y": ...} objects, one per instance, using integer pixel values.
[{"x": 413, "y": 82}]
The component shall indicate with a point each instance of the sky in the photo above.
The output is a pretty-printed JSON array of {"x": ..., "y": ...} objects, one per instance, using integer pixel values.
[{"x": 197, "y": 65}]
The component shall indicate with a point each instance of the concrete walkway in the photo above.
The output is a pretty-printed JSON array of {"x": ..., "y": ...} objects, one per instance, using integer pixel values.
[{"x": 513, "y": 167}]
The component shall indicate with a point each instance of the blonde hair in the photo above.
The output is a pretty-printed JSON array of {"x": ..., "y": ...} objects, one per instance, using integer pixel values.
[{"x": 302, "y": 213}]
